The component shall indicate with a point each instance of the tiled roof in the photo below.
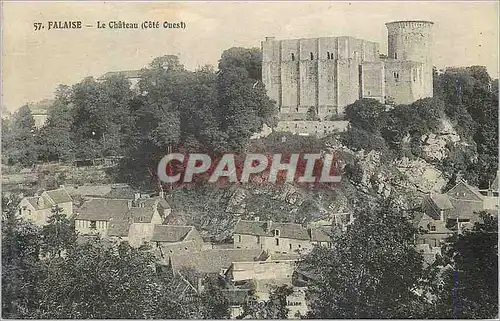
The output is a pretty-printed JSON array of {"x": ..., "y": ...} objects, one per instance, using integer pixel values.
[
  {"x": 126, "y": 73},
  {"x": 442, "y": 201},
  {"x": 101, "y": 209},
  {"x": 59, "y": 195},
  {"x": 121, "y": 191},
  {"x": 464, "y": 209},
  {"x": 33, "y": 201},
  {"x": 262, "y": 228},
  {"x": 170, "y": 233},
  {"x": 118, "y": 228},
  {"x": 150, "y": 202},
  {"x": 140, "y": 214},
  {"x": 320, "y": 234},
  {"x": 212, "y": 261},
  {"x": 89, "y": 190}
]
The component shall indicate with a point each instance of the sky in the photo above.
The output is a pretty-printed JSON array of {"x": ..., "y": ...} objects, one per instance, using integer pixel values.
[{"x": 34, "y": 63}]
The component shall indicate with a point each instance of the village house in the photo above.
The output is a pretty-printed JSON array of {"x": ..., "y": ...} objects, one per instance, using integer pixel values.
[
  {"x": 457, "y": 206},
  {"x": 452, "y": 212},
  {"x": 38, "y": 209},
  {"x": 278, "y": 237},
  {"x": 167, "y": 237},
  {"x": 115, "y": 217}
]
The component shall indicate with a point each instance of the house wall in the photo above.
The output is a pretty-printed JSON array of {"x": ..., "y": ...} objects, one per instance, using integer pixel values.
[
  {"x": 318, "y": 128},
  {"x": 83, "y": 226},
  {"x": 40, "y": 217},
  {"x": 67, "y": 208},
  {"x": 28, "y": 213},
  {"x": 460, "y": 191},
  {"x": 266, "y": 243},
  {"x": 139, "y": 233},
  {"x": 262, "y": 270}
]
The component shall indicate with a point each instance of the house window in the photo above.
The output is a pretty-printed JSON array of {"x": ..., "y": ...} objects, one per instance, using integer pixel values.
[
  {"x": 328, "y": 55},
  {"x": 29, "y": 212},
  {"x": 277, "y": 242},
  {"x": 93, "y": 225},
  {"x": 300, "y": 246},
  {"x": 293, "y": 57},
  {"x": 312, "y": 56},
  {"x": 276, "y": 232},
  {"x": 290, "y": 246},
  {"x": 258, "y": 239},
  {"x": 395, "y": 55},
  {"x": 433, "y": 228},
  {"x": 239, "y": 238}
]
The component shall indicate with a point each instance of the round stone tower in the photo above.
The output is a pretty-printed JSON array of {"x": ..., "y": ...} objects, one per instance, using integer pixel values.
[{"x": 412, "y": 40}]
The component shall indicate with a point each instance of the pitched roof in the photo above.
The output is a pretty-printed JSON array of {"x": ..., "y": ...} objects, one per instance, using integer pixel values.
[
  {"x": 442, "y": 201},
  {"x": 464, "y": 209},
  {"x": 126, "y": 73},
  {"x": 472, "y": 189},
  {"x": 88, "y": 190},
  {"x": 58, "y": 196},
  {"x": 152, "y": 201},
  {"x": 170, "y": 233},
  {"x": 119, "y": 228},
  {"x": 213, "y": 260},
  {"x": 101, "y": 209},
  {"x": 320, "y": 234},
  {"x": 263, "y": 228}
]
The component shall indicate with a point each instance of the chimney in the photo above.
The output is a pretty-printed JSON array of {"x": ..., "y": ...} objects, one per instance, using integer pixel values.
[
  {"x": 200, "y": 285},
  {"x": 268, "y": 226}
]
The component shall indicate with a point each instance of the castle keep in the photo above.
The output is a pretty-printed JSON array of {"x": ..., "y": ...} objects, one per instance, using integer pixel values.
[{"x": 326, "y": 74}]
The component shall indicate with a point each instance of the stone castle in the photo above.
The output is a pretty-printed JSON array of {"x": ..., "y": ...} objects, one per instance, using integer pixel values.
[{"x": 326, "y": 74}]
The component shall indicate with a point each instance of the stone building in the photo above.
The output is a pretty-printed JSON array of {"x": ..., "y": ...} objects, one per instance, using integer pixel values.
[
  {"x": 38, "y": 209},
  {"x": 326, "y": 74},
  {"x": 275, "y": 237}
]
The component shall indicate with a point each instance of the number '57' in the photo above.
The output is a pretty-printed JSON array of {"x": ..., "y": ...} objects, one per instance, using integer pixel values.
[{"x": 37, "y": 25}]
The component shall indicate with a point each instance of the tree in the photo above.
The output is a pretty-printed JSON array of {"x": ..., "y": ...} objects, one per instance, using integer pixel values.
[
  {"x": 367, "y": 114},
  {"x": 311, "y": 114},
  {"x": 21, "y": 146},
  {"x": 58, "y": 235},
  {"x": 214, "y": 303},
  {"x": 21, "y": 272},
  {"x": 56, "y": 141},
  {"x": 470, "y": 288},
  {"x": 372, "y": 271},
  {"x": 274, "y": 308}
]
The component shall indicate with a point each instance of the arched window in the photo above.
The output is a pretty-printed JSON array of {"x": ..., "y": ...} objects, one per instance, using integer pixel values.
[
  {"x": 312, "y": 56},
  {"x": 395, "y": 55},
  {"x": 328, "y": 55},
  {"x": 293, "y": 57}
]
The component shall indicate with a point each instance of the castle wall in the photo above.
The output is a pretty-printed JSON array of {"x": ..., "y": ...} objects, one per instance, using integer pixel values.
[
  {"x": 403, "y": 81},
  {"x": 372, "y": 80},
  {"x": 308, "y": 74}
]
